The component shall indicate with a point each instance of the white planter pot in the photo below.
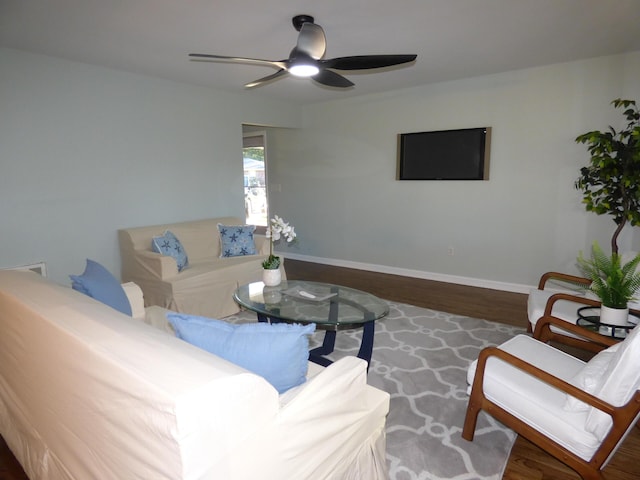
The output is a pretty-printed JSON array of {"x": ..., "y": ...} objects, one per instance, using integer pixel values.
[
  {"x": 614, "y": 316},
  {"x": 271, "y": 278}
]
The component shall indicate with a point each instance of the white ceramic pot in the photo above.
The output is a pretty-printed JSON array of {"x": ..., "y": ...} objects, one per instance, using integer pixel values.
[
  {"x": 271, "y": 277},
  {"x": 614, "y": 316}
]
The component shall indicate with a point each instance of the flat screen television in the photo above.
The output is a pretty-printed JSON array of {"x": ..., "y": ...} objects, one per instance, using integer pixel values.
[{"x": 444, "y": 155}]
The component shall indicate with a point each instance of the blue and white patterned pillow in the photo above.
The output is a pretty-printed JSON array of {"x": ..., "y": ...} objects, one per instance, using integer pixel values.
[
  {"x": 168, "y": 244},
  {"x": 236, "y": 240}
]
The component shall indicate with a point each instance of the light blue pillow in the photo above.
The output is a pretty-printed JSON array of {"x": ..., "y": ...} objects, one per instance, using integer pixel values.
[
  {"x": 168, "y": 244},
  {"x": 236, "y": 240},
  {"x": 97, "y": 282},
  {"x": 278, "y": 352}
]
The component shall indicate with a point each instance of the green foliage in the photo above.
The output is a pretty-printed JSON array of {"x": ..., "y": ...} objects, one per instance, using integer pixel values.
[
  {"x": 613, "y": 283},
  {"x": 610, "y": 184},
  {"x": 271, "y": 263},
  {"x": 256, "y": 153}
]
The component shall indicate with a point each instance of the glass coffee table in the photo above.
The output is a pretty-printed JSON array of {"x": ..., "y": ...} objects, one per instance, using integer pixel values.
[{"x": 330, "y": 307}]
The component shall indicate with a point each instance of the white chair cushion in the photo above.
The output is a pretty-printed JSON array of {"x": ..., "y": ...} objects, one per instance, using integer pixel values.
[
  {"x": 562, "y": 309},
  {"x": 621, "y": 380},
  {"x": 533, "y": 401},
  {"x": 590, "y": 378}
]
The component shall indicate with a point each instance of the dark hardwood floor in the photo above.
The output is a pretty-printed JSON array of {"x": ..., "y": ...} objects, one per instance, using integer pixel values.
[
  {"x": 10, "y": 469},
  {"x": 492, "y": 305},
  {"x": 527, "y": 462}
]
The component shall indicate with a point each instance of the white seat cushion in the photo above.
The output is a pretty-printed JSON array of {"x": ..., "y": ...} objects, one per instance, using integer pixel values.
[
  {"x": 562, "y": 309},
  {"x": 535, "y": 402}
]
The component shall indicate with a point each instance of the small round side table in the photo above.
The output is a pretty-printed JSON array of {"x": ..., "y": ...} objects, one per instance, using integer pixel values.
[{"x": 589, "y": 317}]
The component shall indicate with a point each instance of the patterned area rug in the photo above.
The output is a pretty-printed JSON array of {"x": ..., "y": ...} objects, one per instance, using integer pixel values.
[{"x": 421, "y": 358}]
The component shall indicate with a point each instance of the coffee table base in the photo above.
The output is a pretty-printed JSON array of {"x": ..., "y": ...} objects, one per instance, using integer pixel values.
[{"x": 318, "y": 354}]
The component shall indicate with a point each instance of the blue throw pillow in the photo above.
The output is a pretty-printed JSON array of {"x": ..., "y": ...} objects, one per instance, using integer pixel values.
[
  {"x": 168, "y": 244},
  {"x": 97, "y": 282},
  {"x": 236, "y": 240},
  {"x": 278, "y": 352}
]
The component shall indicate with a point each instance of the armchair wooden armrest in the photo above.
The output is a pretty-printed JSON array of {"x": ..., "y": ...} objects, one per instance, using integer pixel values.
[
  {"x": 590, "y": 340},
  {"x": 563, "y": 277},
  {"x": 577, "y": 299},
  {"x": 581, "y": 331}
]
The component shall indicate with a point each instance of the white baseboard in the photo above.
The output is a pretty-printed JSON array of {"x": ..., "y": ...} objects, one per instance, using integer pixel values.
[{"x": 405, "y": 272}]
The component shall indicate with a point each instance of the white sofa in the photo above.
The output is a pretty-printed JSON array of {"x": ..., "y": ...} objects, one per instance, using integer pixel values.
[
  {"x": 89, "y": 393},
  {"x": 207, "y": 285}
]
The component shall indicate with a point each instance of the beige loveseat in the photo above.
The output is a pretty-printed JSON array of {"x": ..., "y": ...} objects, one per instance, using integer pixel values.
[
  {"x": 207, "y": 285},
  {"x": 88, "y": 393}
]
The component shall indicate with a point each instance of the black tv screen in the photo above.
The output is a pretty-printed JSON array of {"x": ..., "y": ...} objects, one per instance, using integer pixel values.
[{"x": 444, "y": 155}]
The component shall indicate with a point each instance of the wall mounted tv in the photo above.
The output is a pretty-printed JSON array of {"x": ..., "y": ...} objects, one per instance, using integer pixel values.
[{"x": 444, "y": 155}]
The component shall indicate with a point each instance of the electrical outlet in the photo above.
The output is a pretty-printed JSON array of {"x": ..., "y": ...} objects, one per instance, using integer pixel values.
[{"x": 451, "y": 251}]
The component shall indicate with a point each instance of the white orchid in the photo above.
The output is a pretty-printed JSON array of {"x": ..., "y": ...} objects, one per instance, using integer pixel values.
[{"x": 278, "y": 228}]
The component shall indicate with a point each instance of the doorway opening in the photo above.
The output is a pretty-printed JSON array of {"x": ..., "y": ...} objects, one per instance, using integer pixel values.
[{"x": 254, "y": 159}]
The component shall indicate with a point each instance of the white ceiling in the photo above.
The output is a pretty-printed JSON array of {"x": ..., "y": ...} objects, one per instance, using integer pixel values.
[{"x": 452, "y": 38}]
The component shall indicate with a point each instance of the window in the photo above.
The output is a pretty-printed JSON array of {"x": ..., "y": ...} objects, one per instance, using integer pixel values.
[{"x": 255, "y": 181}]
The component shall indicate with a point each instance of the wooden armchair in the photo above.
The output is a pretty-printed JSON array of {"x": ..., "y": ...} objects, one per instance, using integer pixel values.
[
  {"x": 563, "y": 304},
  {"x": 578, "y": 412},
  {"x": 552, "y": 283}
]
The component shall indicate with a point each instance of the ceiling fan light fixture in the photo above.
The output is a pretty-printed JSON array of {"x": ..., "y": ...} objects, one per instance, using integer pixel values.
[
  {"x": 303, "y": 70},
  {"x": 307, "y": 59}
]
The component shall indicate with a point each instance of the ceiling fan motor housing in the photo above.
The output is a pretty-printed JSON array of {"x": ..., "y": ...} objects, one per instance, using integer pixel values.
[{"x": 299, "y": 20}]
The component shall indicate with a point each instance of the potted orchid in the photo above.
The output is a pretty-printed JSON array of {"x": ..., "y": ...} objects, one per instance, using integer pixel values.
[{"x": 277, "y": 229}]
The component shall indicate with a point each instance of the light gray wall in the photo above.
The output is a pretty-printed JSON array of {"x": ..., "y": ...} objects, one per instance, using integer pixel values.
[
  {"x": 338, "y": 187},
  {"x": 86, "y": 150}
]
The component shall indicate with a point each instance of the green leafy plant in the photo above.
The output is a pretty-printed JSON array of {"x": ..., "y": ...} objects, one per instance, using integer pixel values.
[
  {"x": 610, "y": 184},
  {"x": 614, "y": 284},
  {"x": 277, "y": 228}
]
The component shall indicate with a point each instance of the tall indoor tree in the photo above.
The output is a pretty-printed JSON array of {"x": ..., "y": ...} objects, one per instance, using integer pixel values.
[{"x": 610, "y": 184}]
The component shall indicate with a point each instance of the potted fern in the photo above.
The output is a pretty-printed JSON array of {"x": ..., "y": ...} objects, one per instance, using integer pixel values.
[{"x": 615, "y": 284}]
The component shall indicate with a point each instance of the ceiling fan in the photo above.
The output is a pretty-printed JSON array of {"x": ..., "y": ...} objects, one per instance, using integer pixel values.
[{"x": 305, "y": 60}]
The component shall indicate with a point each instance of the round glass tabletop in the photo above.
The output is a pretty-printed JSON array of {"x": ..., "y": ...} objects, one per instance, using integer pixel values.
[{"x": 329, "y": 306}]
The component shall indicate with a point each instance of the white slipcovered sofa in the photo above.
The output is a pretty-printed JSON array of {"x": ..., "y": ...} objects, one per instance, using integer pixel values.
[
  {"x": 207, "y": 285},
  {"x": 87, "y": 392}
]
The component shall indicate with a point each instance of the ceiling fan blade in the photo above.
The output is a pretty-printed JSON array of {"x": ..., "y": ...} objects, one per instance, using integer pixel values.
[
  {"x": 268, "y": 78},
  {"x": 364, "y": 62},
  {"x": 311, "y": 40},
  {"x": 332, "y": 79},
  {"x": 250, "y": 61}
]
